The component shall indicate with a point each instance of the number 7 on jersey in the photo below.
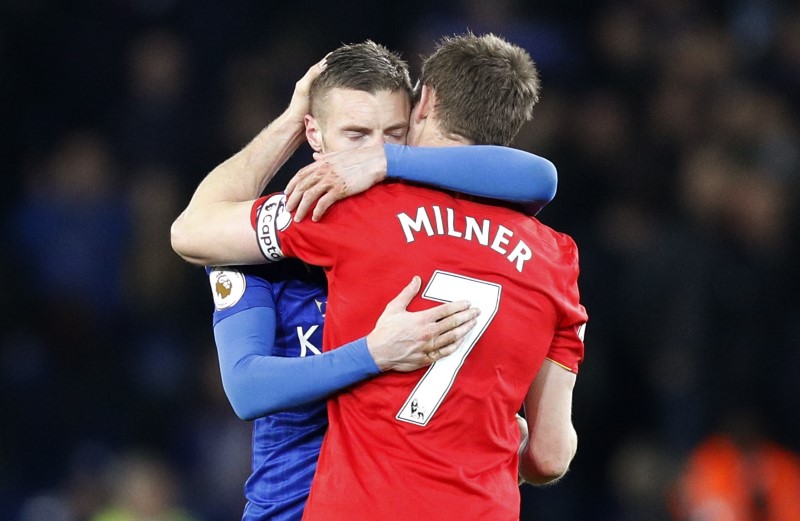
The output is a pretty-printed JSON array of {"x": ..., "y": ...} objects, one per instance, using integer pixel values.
[{"x": 430, "y": 391}]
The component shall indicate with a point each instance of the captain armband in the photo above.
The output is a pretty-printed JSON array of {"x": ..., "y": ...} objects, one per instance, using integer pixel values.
[{"x": 272, "y": 218}]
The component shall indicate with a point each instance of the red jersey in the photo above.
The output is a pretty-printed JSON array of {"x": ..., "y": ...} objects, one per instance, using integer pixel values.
[{"x": 441, "y": 442}]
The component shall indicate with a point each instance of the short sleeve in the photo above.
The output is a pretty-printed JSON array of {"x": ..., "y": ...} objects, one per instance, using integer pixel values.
[
  {"x": 567, "y": 347},
  {"x": 234, "y": 290},
  {"x": 317, "y": 243}
]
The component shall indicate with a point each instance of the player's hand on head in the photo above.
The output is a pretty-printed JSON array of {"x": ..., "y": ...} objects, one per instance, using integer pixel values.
[
  {"x": 405, "y": 341},
  {"x": 332, "y": 177},
  {"x": 300, "y": 105}
]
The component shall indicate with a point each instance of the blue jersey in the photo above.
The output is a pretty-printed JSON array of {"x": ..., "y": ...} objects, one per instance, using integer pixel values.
[{"x": 286, "y": 444}]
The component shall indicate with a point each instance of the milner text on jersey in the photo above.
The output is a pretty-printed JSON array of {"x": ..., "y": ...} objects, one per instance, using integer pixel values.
[{"x": 496, "y": 237}]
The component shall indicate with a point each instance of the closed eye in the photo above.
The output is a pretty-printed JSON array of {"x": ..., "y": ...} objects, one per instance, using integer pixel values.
[
  {"x": 396, "y": 134},
  {"x": 355, "y": 135}
]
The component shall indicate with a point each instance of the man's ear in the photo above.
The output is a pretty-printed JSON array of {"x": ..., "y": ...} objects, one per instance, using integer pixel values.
[
  {"x": 313, "y": 132},
  {"x": 423, "y": 108}
]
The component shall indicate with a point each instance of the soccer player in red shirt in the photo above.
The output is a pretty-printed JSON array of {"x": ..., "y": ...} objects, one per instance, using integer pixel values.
[{"x": 443, "y": 443}]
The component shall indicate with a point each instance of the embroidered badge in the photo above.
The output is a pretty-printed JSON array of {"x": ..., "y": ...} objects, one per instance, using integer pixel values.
[{"x": 227, "y": 286}]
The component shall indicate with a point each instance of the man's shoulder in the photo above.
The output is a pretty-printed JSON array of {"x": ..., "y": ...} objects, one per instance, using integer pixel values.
[
  {"x": 404, "y": 191},
  {"x": 384, "y": 197},
  {"x": 276, "y": 273},
  {"x": 389, "y": 188}
]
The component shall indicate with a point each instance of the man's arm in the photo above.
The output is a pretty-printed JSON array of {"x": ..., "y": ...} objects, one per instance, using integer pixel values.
[
  {"x": 493, "y": 172},
  {"x": 258, "y": 383},
  {"x": 552, "y": 441},
  {"x": 213, "y": 229}
]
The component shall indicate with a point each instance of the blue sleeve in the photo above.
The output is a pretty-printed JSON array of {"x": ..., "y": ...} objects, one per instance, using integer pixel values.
[
  {"x": 257, "y": 383},
  {"x": 489, "y": 171}
]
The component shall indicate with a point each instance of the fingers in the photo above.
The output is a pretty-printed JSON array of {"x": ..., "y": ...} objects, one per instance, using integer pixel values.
[
  {"x": 403, "y": 299},
  {"x": 292, "y": 199},
  {"x": 445, "y": 310},
  {"x": 307, "y": 200},
  {"x": 445, "y": 325},
  {"x": 314, "y": 183},
  {"x": 325, "y": 202},
  {"x": 290, "y": 188},
  {"x": 302, "y": 207},
  {"x": 451, "y": 339},
  {"x": 294, "y": 189},
  {"x": 299, "y": 105},
  {"x": 304, "y": 84},
  {"x": 307, "y": 185},
  {"x": 447, "y": 343}
]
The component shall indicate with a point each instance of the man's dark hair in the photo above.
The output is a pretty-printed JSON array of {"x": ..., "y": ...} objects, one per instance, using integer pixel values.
[
  {"x": 367, "y": 66},
  {"x": 485, "y": 87}
]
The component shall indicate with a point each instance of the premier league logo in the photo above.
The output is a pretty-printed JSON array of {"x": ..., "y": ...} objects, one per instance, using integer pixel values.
[{"x": 227, "y": 287}]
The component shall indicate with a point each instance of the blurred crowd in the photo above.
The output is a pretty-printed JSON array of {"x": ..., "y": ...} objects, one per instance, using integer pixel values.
[{"x": 675, "y": 127}]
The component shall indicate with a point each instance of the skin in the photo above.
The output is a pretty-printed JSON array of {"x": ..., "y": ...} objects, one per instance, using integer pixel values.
[{"x": 355, "y": 119}]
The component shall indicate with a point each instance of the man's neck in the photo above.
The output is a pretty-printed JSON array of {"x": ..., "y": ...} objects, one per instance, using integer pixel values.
[
  {"x": 433, "y": 136},
  {"x": 440, "y": 139}
]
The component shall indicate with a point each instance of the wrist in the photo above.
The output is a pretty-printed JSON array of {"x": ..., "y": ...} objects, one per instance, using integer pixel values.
[
  {"x": 291, "y": 122},
  {"x": 383, "y": 166},
  {"x": 377, "y": 163},
  {"x": 373, "y": 347}
]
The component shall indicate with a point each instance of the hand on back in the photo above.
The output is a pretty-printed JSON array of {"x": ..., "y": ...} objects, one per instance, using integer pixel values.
[{"x": 405, "y": 341}]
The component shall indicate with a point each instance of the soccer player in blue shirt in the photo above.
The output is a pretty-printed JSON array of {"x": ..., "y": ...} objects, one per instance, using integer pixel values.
[{"x": 268, "y": 319}]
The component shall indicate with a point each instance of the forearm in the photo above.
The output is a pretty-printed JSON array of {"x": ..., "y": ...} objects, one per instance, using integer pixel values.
[
  {"x": 540, "y": 465},
  {"x": 258, "y": 386},
  {"x": 213, "y": 229},
  {"x": 258, "y": 383},
  {"x": 243, "y": 176},
  {"x": 494, "y": 172},
  {"x": 552, "y": 441}
]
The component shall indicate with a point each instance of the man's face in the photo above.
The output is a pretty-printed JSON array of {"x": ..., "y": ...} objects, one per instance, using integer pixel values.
[{"x": 353, "y": 119}]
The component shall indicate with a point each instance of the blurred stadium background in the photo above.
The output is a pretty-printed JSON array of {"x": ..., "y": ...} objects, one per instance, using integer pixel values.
[{"x": 674, "y": 125}]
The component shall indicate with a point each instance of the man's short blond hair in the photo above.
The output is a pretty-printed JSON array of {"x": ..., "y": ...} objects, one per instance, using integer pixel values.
[{"x": 367, "y": 66}]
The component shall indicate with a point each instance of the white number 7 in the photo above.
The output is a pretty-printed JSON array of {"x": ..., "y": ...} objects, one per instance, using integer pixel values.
[{"x": 434, "y": 385}]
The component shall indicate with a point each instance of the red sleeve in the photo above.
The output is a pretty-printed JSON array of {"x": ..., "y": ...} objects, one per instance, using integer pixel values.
[
  {"x": 567, "y": 347},
  {"x": 254, "y": 211},
  {"x": 279, "y": 236}
]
